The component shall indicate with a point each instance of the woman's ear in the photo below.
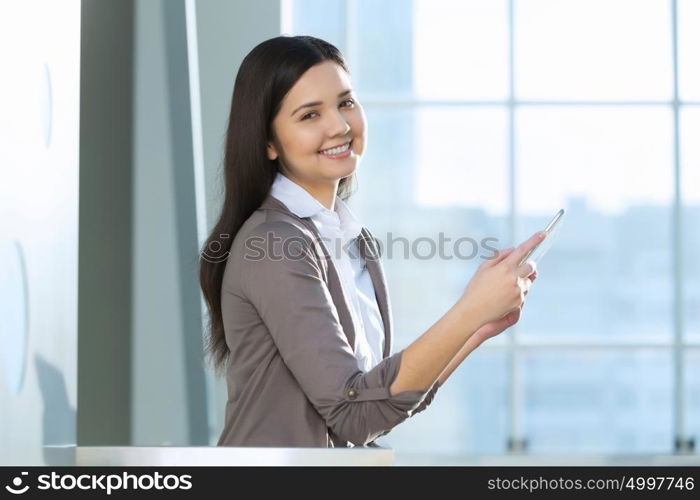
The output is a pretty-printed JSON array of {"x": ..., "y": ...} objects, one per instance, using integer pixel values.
[{"x": 271, "y": 152}]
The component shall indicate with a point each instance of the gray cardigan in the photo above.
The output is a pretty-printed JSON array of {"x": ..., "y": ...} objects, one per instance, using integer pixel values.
[{"x": 292, "y": 377}]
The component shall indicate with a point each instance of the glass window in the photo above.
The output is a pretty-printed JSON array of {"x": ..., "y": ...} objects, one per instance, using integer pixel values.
[
  {"x": 692, "y": 394},
  {"x": 380, "y": 39},
  {"x": 609, "y": 274},
  {"x": 598, "y": 401},
  {"x": 690, "y": 192},
  {"x": 689, "y": 49},
  {"x": 593, "y": 49},
  {"x": 461, "y": 156},
  {"x": 460, "y": 49}
]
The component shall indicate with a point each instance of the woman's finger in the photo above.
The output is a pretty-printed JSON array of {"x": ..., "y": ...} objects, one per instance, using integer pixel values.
[{"x": 522, "y": 249}]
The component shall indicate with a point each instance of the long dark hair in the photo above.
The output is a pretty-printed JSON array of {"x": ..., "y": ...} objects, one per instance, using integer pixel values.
[{"x": 265, "y": 76}]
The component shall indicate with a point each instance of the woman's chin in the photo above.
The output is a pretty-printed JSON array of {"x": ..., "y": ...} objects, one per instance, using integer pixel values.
[{"x": 343, "y": 170}]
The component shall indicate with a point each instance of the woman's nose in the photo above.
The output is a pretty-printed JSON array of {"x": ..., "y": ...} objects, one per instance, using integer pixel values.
[{"x": 339, "y": 125}]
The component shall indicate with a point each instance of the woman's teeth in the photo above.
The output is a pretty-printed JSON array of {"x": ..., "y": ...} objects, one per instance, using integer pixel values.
[{"x": 335, "y": 151}]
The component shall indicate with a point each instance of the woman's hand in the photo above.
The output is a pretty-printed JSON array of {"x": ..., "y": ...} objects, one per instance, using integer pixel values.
[
  {"x": 497, "y": 290},
  {"x": 496, "y": 327}
]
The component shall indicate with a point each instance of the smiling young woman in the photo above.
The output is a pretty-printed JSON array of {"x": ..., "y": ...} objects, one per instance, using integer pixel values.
[{"x": 302, "y": 331}]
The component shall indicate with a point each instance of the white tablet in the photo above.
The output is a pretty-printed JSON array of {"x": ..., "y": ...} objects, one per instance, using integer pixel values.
[{"x": 552, "y": 229}]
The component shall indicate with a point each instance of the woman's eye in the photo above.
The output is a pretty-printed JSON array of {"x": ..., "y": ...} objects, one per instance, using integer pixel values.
[{"x": 307, "y": 115}]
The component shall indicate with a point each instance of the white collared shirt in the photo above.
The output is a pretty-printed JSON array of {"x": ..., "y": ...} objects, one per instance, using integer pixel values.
[{"x": 337, "y": 228}]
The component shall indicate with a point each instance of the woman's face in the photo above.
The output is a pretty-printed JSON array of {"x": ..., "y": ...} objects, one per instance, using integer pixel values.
[{"x": 334, "y": 119}]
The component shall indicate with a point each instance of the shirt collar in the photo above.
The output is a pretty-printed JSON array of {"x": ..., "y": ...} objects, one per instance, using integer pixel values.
[{"x": 303, "y": 204}]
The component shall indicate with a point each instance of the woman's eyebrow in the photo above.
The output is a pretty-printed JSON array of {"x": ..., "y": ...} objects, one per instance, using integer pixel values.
[{"x": 317, "y": 103}]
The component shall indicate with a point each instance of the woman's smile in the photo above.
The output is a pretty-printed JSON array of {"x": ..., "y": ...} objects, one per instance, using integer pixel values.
[{"x": 339, "y": 152}]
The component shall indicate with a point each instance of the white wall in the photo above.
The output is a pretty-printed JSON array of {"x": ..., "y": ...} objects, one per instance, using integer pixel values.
[{"x": 39, "y": 141}]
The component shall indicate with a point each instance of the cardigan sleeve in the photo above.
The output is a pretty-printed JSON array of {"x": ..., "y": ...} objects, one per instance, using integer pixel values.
[{"x": 285, "y": 284}]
